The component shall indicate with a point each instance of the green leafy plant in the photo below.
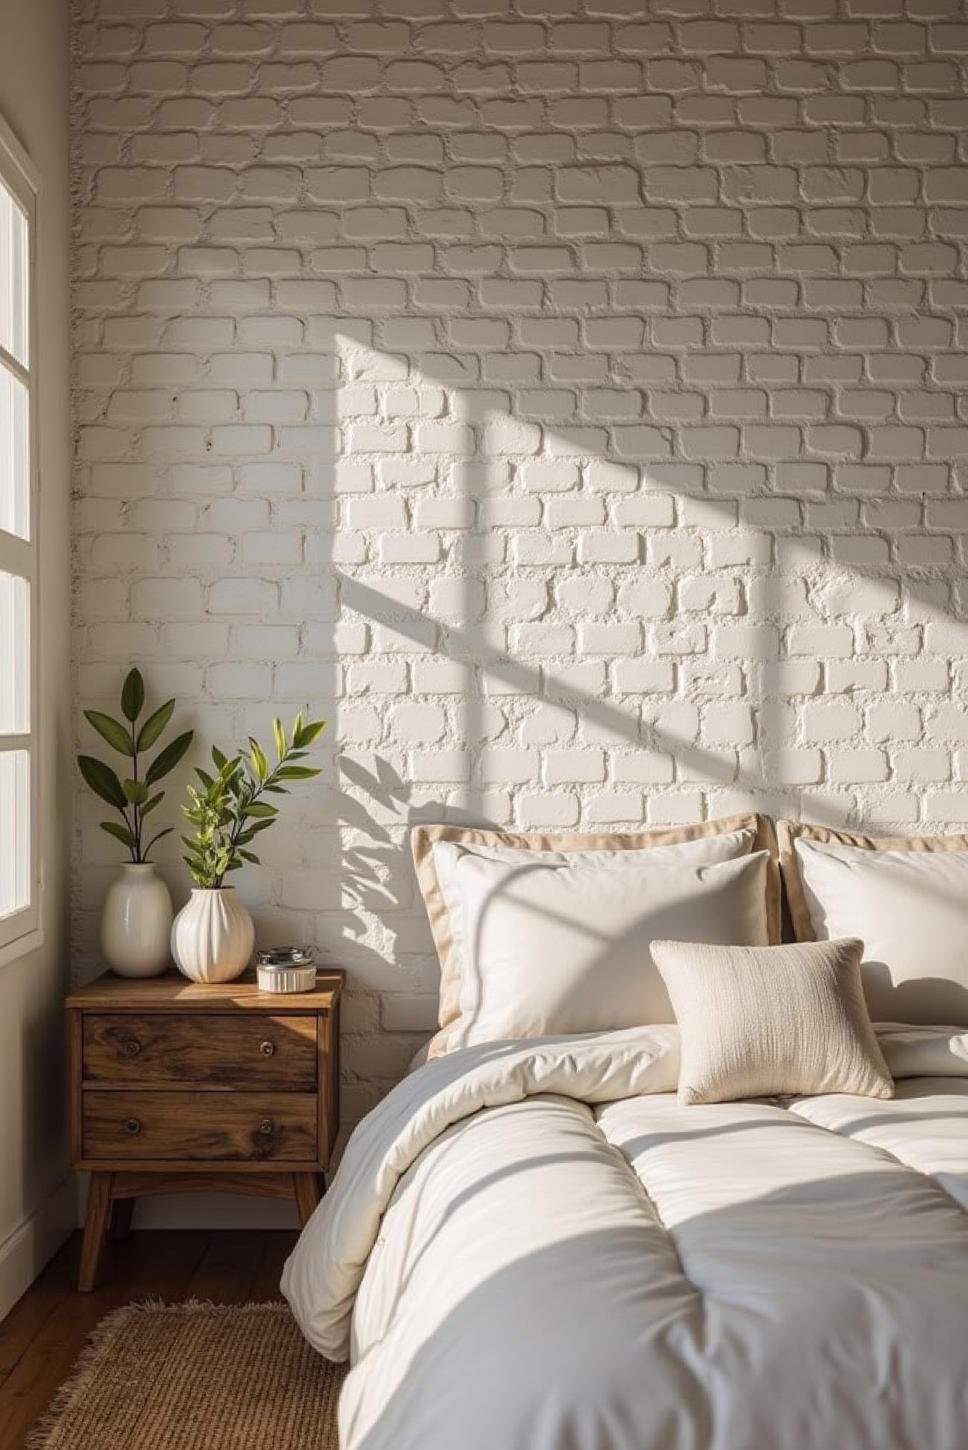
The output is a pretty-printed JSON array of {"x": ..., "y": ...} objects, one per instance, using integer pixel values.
[
  {"x": 229, "y": 811},
  {"x": 131, "y": 795}
]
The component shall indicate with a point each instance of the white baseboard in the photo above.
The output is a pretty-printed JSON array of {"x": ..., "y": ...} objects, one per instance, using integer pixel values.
[{"x": 26, "y": 1250}]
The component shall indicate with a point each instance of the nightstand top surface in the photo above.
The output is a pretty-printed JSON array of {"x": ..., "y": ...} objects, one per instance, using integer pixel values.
[{"x": 173, "y": 993}]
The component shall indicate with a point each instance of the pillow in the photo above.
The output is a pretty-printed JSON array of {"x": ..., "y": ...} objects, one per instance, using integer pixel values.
[
  {"x": 762, "y": 1021},
  {"x": 905, "y": 897},
  {"x": 556, "y": 946},
  {"x": 746, "y": 832}
]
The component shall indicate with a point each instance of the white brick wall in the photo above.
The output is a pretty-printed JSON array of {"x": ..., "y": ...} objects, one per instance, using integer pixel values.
[{"x": 565, "y": 397}]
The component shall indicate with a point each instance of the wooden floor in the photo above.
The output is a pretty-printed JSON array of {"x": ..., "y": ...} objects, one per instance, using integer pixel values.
[{"x": 44, "y": 1333}]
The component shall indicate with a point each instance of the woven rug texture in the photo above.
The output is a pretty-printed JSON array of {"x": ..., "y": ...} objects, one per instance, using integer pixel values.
[{"x": 195, "y": 1377}]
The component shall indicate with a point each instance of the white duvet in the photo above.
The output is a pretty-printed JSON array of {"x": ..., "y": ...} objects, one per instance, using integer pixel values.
[{"x": 531, "y": 1246}]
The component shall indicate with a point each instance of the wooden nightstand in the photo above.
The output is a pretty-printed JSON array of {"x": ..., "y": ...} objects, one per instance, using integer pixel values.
[{"x": 178, "y": 1086}]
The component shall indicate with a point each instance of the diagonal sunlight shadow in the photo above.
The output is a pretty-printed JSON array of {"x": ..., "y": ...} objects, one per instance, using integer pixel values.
[
  {"x": 457, "y": 642},
  {"x": 463, "y": 455},
  {"x": 776, "y": 576}
]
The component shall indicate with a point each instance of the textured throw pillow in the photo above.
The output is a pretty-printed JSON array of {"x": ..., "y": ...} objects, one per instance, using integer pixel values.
[
  {"x": 766, "y": 1021},
  {"x": 905, "y": 897},
  {"x": 563, "y": 946},
  {"x": 705, "y": 842}
]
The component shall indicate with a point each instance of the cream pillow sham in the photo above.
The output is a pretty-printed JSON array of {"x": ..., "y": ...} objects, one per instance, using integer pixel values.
[
  {"x": 561, "y": 945},
  {"x": 745, "y": 832},
  {"x": 760, "y": 1022},
  {"x": 905, "y": 897}
]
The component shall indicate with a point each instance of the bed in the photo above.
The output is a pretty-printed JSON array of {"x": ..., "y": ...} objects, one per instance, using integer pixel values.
[
  {"x": 662, "y": 1184},
  {"x": 532, "y": 1246}
]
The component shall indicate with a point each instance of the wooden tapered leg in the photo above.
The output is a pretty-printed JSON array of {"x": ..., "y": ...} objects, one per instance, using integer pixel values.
[
  {"x": 305, "y": 1187},
  {"x": 95, "y": 1227}
]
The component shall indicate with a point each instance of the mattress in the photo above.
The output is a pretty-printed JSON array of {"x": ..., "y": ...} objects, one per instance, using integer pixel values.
[{"x": 533, "y": 1247}]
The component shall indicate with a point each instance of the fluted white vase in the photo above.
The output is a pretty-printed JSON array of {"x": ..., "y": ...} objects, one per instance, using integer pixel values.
[
  {"x": 136, "y": 923},
  {"x": 212, "y": 936}
]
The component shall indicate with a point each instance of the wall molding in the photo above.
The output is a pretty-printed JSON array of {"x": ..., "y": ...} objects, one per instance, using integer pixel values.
[{"x": 34, "y": 1240}]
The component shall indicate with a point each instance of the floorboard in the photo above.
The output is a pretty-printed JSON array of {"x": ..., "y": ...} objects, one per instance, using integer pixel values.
[{"x": 46, "y": 1330}]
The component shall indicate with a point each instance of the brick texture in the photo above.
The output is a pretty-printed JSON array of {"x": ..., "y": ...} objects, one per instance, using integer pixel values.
[{"x": 566, "y": 398}]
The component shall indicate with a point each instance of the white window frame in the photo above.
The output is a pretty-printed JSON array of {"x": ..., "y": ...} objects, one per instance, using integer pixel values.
[{"x": 20, "y": 931}]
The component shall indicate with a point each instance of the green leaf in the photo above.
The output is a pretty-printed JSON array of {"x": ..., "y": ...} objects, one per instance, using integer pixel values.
[
  {"x": 248, "y": 856},
  {"x": 132, "y": 695},
  {"x": 166, "y": 832},
  {"x": 261, "y": 810},
  {"x": 169, "y": 757},
  {"x": 259, "y": 760},
  {"x": 203, "y": 775},
  {"x": 102, "y": 780},
  {"x": 297, "y": 772},
  {"x": 219, "y": 757},
  {"x": 280, "y": 736},
  {"x": 120, "y": 832},
  {"x": 154, "y": 725},
  {"x": 150, "y": 805},
  {"x": 117, "y": 735},
  {"x": 135, "y": 791},
  {"x": 308, "y": 733}
]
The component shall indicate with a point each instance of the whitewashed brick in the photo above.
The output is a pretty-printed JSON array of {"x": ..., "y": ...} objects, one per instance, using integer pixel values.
[{"x": 567, "y": 333}]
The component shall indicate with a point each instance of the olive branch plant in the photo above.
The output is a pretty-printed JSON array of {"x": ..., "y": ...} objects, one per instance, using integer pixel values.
[
  {"x": 229, "y": 811},
  {"x": 132, "y": 796}
]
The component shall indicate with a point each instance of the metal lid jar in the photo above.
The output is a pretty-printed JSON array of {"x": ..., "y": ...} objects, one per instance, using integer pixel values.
[{"x": 286, "y": 969}]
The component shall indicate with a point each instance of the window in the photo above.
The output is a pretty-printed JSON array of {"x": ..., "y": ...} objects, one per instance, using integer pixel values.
[{"x": 19, "y": 857}]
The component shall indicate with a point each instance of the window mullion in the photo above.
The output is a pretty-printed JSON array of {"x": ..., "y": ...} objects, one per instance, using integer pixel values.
[{"x": 8, "y": 361}]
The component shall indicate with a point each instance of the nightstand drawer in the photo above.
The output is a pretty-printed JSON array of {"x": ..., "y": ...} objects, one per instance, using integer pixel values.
[
  {"x": 250, "y": 1052},
  {"x": 157, "y": 1127}
]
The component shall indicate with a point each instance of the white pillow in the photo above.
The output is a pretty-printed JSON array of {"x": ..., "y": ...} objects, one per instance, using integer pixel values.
[
  {"x": 910, "y": 909},
  {"x": 448, "y": 855},
  {"x": 766, "y": 1021},
  {"x": 559, "y": 946}
]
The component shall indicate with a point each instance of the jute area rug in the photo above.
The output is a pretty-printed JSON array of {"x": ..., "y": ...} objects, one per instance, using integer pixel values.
[{"x": 195, "y": 1377}]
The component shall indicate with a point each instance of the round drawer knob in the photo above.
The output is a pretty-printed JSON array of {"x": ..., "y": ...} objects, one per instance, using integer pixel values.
[
  {"x": 133, "y": 1126},
  {"x": 266, "y": 1125},
  {"x": 131, "y": 1047},
  {"x": 267, "y": 1048}
]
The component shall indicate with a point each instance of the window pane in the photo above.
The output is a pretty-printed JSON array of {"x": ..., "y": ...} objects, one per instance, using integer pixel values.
[
  {"x": 14, "y": 456},
  {"x": 14, "y": 655},
  {"x": 14, "y": 831},
  {"x": 13, "y": 277}
]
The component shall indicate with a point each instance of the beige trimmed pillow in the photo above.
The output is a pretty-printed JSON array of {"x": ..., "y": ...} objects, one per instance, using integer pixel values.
[
  {"x": 770, "y": 1021},
  {"x": 906, "y": 897},
  {"x": 563, "y": 944},
  {"x": 757, "y": 829}
]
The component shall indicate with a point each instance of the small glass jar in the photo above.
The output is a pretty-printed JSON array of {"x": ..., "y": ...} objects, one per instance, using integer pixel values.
[{"x": 286, "y": 969}]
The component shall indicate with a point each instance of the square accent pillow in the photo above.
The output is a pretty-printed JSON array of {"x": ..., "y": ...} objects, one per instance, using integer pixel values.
[
  {"x": 705, "y": 842},
  {"x": 771, "y": 1021},
  {"x": 906, "y": 897},
  {"x": 563, "y": 945}
]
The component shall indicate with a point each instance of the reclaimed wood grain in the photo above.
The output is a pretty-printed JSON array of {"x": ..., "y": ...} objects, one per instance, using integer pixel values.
[
  {"x": 157, "y": 1127},
  {"x": 246, "y": 1051}
]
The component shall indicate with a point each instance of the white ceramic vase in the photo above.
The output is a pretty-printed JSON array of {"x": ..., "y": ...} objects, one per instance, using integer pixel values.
[
  {"x": 136, "y": 923},
  {"x": 213, "y": 936}
]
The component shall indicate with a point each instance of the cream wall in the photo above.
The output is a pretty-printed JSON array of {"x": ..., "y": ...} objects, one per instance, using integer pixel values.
[
  {"x": 37, "y": 1203},
  {"x": 565, "y": 397}
]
